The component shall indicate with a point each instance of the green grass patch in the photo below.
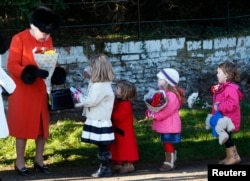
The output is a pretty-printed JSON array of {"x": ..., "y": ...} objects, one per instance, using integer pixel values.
[{"x": 64, "y": 147}]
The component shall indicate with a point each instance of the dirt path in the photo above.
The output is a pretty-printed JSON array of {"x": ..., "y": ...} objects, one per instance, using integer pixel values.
[{"x": 196, "y": 170}]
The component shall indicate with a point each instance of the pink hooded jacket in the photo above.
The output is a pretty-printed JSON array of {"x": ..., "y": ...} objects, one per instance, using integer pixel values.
[
  {"x": 228, "y": 96},
  {"x": 168, "y": 119}
]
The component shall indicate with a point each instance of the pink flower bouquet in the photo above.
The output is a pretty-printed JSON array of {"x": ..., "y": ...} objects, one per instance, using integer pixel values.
[{"x": 76, "y": 94}]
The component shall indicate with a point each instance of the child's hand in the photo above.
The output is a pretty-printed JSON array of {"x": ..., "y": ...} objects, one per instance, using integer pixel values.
[
  {"x": 86, "y": 73},
  {"x": 216, "y": 106},
  {"x": 150, "y": 115},
  {"x": 76, "y": 94},
  {"x": 78, "y": 97},
  {"x": 78, "y": 105}
]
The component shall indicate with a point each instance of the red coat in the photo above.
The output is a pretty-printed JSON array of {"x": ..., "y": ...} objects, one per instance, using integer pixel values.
[
  {"x": 125, "y": 147},
  {"x": 28, "y": 114}
]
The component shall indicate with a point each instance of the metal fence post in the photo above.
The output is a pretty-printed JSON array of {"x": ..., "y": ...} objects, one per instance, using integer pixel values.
[{"x": 139, "y": 20}]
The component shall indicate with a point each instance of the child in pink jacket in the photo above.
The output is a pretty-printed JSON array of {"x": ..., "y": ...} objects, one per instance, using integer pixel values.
[
  {"x": 167, "y": 121},
  {"x": 226, "y": 100}
]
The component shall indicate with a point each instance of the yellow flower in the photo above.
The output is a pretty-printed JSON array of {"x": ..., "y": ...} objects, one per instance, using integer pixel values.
[{"x": 49, "y": 52}]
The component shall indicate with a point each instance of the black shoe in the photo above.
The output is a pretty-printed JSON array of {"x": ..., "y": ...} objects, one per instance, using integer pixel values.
[
  {"x": 43, "y": 168},
  {"x": 23, "y": 171}
]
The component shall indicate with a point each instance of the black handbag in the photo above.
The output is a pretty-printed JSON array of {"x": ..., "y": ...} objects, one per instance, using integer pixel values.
[{"x": 61, "y": 99}]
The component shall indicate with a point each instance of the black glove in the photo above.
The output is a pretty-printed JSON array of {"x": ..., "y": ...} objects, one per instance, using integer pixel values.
[
  {"x": 3, "y": 45},
  {"x": 42, "y": 73},
  {"x": 4, "y": 92}
]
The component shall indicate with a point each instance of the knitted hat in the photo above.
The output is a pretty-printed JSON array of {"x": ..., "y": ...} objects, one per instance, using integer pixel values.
[
  {"x": 45, "y": 20},
  {"x": 170, "y": 75}
]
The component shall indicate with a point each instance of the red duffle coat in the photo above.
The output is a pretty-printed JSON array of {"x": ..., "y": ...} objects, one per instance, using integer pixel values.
[{"x": 125, "y": 147}]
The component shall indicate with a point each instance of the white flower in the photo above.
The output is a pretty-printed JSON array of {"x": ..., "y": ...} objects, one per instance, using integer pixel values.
[{"x": 192, "y": 99}]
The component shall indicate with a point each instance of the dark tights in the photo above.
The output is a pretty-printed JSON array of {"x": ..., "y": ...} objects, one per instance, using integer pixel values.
[
  {"x": 229, "y": 143},
  {"x": 104, "y": 155},
  {"x": 103, "y": 148}
]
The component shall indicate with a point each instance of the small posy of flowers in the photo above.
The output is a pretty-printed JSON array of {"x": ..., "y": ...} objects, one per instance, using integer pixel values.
[
  {"x": 215, "y": 88},
  {"x": 155, "y": 100},
  {"x": 76, "y": 94}
]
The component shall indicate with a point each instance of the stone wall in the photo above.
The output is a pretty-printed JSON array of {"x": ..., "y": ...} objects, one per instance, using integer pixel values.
[{"x": 140, "y": 61}]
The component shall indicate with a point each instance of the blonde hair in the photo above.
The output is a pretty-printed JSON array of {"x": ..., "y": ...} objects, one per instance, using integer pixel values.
[
  {"x": 101, "y": 68},
  {"x": 128, "y": 89}
]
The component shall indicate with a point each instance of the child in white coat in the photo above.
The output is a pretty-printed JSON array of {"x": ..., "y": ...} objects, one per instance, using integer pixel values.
[{"x": 98, "y": 105}]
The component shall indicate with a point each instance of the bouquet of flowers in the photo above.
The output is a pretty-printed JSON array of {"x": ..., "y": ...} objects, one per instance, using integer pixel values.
[
  {"x": 215, "y": 88},
  {"x": 46, "y": 59},
  {"x": 155, "y": 100},
  {"x": 76, "y": 94}
]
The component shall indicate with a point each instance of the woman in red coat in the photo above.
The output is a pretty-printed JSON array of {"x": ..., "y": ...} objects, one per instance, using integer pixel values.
[
  {"x": 125, "y": 137},
  {"x": 28, "y": 115}
]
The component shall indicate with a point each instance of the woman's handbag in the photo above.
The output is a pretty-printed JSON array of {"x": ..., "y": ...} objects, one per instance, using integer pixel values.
[{"x": 61, "y": 99}]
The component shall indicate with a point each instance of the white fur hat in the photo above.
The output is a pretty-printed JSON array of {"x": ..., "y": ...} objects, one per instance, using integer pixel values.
[{"x": 170, "y": 75}]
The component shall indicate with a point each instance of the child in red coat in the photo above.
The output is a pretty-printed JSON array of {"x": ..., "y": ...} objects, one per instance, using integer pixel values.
[{"x": 125, "y": 137}]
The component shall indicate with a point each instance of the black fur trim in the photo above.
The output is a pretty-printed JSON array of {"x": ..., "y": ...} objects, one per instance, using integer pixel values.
[
  {"x": 29, "y": 74},
  {"x": 59, "y": 76}
]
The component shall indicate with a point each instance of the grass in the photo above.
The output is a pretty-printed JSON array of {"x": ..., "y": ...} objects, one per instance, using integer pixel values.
[{"x": 64, "y": 147}]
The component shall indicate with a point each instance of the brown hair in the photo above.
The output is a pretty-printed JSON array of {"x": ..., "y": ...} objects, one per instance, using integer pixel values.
[
  {"x": 179, "y": 92},
  {"x": 101, "y": 68},
  {"x": 128, "y": 89},
  {"x": 230, "y": 70}
]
